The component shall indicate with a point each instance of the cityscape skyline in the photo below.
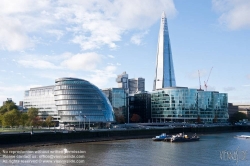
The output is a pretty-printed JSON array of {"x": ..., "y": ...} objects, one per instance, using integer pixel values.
[{"x": 98, "y": 41}]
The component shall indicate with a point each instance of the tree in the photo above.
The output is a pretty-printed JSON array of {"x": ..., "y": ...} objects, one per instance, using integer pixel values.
[
  {"x": 215, "y": 119},
  {"x": 32, "y": 113},
  {"x": 49, "y": 122},
  {"x": 35, "y": 122},
  {"x": 11, "y": 118},
  {"x": 135, "y": 118},
  {"x": 8, "y": 106},
  {"x": 120, "y": 118},
  {"x": 33, "y": 117},
  {"x": 23, "y": 119},
  {"x": 1, "y": 120},
  {"x": 198, "y": 119},
  {"x": 236, "y": 117}
]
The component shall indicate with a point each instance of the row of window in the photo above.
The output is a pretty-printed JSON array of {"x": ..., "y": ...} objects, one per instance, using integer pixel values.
[
  {"x": 69, "y": 92},
  {"x": 85, "y": 87},
  {"x": 81, "y": 107},
  {"x": 87, "y": 101},
  {"x": 72, "y": 97}
]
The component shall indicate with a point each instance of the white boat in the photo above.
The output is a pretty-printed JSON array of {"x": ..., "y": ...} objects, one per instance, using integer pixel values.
[{"x": 243, "y": 136}]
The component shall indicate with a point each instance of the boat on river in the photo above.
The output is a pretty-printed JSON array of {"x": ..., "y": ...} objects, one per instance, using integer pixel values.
[
  {"x": 243, "y": 136},
  {"x": 161, "y": 137},
  {"x": 182, "y": 138}
]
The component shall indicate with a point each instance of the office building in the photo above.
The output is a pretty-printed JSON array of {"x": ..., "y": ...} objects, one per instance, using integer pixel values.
[
  {"x": 118, "y": 99},
  {"x": 136, "y": 84},
  {"x": 182, "y": 104},
  {"x": 122, "y": 80},
  {"x": 164, "y": 76},
  {"x": 140, "y": 104},
  {"x": 43, "y": 99}
]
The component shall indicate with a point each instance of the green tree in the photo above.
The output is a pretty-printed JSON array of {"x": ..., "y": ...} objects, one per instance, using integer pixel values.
[
  {"x": 8, "y": 106},
  {"x": 32, "y": 113},
  {"x": 1, "y": 119},
  {"x": 49, "y": 122},
  {"x": 33, "y": 117},
  {"x": 11, "y": 118},
  {"x": 23, "y": 119}
]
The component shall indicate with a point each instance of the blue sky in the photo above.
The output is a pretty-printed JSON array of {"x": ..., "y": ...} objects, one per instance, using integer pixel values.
[{"x": 97, "y": 40}]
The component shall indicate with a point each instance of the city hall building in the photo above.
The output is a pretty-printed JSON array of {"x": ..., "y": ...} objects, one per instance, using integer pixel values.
[{"x": 70, "y": 101}]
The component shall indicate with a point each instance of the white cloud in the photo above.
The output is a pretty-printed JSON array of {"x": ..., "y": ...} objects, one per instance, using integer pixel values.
[
  {"x": 39, "y": 64},
  {"x": 110, "y": 56},
  {"x": 57, "y": 33},
  {"x": 103, "y": 77},
  {"x": 137, "y": 38},
  {"x": 234, "y": 13},
  {"x": 90, "y": 24},
  {"x": 84, "y": 61}
]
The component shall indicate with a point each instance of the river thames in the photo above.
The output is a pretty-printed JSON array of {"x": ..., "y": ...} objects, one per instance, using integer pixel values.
[{"x": 212, "y": 149}]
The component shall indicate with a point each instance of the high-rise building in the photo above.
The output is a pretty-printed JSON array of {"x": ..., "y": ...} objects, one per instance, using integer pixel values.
[
  {"x": 122, "y": 80},
  {"x": 164, "y": 64},
  {"x": 136, "y": 84}
]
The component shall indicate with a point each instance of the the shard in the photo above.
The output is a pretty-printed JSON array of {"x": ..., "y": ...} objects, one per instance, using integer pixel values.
[{"x": 164, "y": 63}]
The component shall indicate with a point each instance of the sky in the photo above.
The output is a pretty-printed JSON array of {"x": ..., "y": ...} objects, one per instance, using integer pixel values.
[{"x": 95, "y": 40}]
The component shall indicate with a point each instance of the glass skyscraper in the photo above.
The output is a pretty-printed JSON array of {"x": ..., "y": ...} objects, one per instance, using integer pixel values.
[{"x": 165, "y": 76}]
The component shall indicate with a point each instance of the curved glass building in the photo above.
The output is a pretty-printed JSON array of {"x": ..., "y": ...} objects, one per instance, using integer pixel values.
[
  {"x": 79, "y": 101},
  {"x": 184, "y": 104}
]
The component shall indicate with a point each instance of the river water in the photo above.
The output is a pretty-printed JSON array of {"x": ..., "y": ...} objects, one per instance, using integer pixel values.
[{"x": 212, "y": 149}]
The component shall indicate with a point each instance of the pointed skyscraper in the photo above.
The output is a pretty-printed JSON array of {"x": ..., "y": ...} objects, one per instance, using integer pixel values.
[{"x": 164, "y": 64}]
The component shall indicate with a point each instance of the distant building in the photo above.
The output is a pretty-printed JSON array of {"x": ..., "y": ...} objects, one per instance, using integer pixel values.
[
  {"x": 131, "y": 85},
  {"x": 244, "y": 108},
  {"x": 136, "y": 85},
  {"x": 232, "y": 109},
  {"x": 122, "y": 80},
  {"x": 188, "y": 105}
]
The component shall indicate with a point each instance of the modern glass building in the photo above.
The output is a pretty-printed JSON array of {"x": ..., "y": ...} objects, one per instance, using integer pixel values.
[
  {"x": 142, "y": 106},
  {"x": 165, "y": 76},
  {"x": 43, "y": 99},
  {"x": 190, "y": 105},
  {"x": 119, "y": 99},
  {"x": 78, "y": 100},
  {"x": 71, "y": 101}
]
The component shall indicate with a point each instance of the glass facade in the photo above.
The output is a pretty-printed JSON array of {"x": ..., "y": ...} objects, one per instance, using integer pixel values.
[
  {"x": 78, "y": 100},
  {"x": 118, "y": 99},
  {"x": 70, "y": 101},
  {"x": 165, "y": 76},
  {"x": 183, "y": 104},
  {"x": 43, "y": 99}
]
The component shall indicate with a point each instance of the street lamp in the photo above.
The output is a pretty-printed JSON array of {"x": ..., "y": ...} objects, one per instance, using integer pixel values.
[
  {"x": 84, "y": 121},
  {"x": 31, "y": 130}
]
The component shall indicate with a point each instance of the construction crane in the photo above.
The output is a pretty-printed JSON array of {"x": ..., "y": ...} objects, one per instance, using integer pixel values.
[
  {"x": 205, "y": 82},
  {"x": 199, "y": 79}
]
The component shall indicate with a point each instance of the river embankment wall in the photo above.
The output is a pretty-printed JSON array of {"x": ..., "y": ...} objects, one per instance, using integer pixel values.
[{"x": 99, "y": 135}]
